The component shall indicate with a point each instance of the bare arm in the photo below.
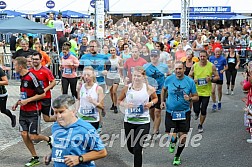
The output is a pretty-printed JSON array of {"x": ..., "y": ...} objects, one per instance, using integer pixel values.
[
  {"x": 191, "y": 73},
  {"x": 122, "y": 96},
  {"x": 4, "y": 81},
  {"x": 50, "y": 86},
  {"x": 215, "y": 73}
]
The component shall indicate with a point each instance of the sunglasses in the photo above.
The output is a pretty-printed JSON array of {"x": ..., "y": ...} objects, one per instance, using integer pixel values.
[{"x": 154, "y": 56}]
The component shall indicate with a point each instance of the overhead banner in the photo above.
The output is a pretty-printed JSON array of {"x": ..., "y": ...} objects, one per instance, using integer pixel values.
[{"x": 211, "y": 9}]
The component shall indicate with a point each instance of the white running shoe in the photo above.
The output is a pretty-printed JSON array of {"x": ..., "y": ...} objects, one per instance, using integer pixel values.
[
  {"x": 232, "y": 92},
  {"x": 228, "y": 92}
]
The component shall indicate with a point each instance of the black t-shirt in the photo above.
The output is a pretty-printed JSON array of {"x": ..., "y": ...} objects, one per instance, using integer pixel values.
[
  {"x": 22, "y": 53},
  {"x": 2, "y": 87}
]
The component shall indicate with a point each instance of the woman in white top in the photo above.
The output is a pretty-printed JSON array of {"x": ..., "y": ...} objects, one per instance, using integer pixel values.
[
  {"x": 90, "y": 96},
  {"x": 197, "y": 45},
  {"x": 134, "y": 102},
  {"x": 113, "y": 77}
]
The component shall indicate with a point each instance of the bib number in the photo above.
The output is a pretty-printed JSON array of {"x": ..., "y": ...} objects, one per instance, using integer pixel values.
[
  {"x": 68, "y": 71},
  {"x": 23, "y": 95},
  {"x": 202, "y": 82},
  {"x": 136, "y": 110},
  {"x": 58, "y": 156},
  {"x": 113, "y": 70},
  {"x": 178, "y": 115},
  {"x": 87, "y": 111},
  {"x": 96, "y": 73}
]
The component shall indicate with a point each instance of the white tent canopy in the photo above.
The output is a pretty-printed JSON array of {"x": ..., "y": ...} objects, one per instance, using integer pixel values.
[{"x": 125, "y": 6}]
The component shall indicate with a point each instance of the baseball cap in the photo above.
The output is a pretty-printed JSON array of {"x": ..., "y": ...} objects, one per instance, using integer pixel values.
[
  {"x": 155, "y": 52},
  {"x": 74, "y": 36}
]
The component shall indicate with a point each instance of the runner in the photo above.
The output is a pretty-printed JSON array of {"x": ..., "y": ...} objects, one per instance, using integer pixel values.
[
  {"x": 135, "y": 98},
  {"x": 4, "y": 96},
  {"x": 85, "y": 149},
  {"x": 47, "y": 81},
  {"x": 132, "y": 62},
  {"x": 221, "y": 66},
  {"x": 91, "y": 98},
  {"x": 188, "y": 61},
  {"x": 156, "y": 73},
  {"x": 203, "y": 73},
  {"x": 233, "y": 61},
  {"x": 197, "y": 45},
  {"x": 45, "y": 61},
  {"x": 113, "y": 77},
  {"x": 69, "y": 76},
  {"x": 30, "y": 107},
  {"x": 177, "y": 89},
  {"x": 99, "y": 62}
]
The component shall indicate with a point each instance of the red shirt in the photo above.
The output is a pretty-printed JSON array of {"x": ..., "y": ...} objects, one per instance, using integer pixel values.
[
  {"x": 30, "y": 87},
  {"x": 215, "y": 45},
  {"x": 44, "y": 76},
  {"x": 131, "y": 63}
]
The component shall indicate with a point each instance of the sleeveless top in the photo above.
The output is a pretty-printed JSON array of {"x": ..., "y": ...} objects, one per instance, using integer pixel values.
[
  {"x": 3, "y": 90},
  {"x": 138, "y": 114},
  {"x": 113, "y": 72},
  {"x": 198, "y": 45},
  {"x": 203, "y": 87},
  {"x": 187, "y": 69},
  {"x": 232, "y": 61},
  {"x": 87, "y": 110}
]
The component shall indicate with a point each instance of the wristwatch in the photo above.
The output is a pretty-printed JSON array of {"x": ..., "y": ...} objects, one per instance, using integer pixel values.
[{"x": 81, "y": 159}]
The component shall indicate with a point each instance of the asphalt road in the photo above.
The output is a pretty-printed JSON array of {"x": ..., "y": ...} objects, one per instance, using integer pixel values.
[{"x": 223, "y": 142}]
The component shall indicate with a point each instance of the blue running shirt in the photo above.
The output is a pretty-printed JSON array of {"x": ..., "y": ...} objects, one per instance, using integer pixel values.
[
  {"x": 156, "y": 75},
  {"x": 219, "y": 63},
  {"x": 176, "y": 89},
  {"x": 76, "y": 139},
  {"x": 98, "y": 63}
]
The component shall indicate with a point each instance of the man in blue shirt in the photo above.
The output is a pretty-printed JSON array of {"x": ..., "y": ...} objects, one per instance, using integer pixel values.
[
  {"x": 220, "y": 63},
  {"x": 99, "y": 62},
  {"x": 75, "y": 142},
  {"x": 156, "y": 73},
  {"x": 176, "y": 91}
]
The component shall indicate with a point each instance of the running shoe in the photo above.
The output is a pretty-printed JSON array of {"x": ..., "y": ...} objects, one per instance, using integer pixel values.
[
  {"x": 115, "y": 110},
  {"x": 214, "y": 108},
  {"x": 200, "y": 128},
  {"x": 228, "y": 92},
  {"x": 232, "y": 93},
  {"x": 172, "y": 147},
  {"x": 34, "y": 161},
  {"x": 103, "y": 113},
  {"x": 176, "y": 161},
  {"x": 112, "y": 107},
  {"x": 219, "y": 105}
]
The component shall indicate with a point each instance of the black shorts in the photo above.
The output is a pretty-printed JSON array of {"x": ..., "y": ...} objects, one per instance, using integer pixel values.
[
  {"x": 218, "y": 82},
  {"x": 46, "y": 107},
  {"x": 110, "y": 82},
  {"x": 29, "y": 124},
  {"x": 157, "y": 105},
  {"x": 177, "y": 126}
]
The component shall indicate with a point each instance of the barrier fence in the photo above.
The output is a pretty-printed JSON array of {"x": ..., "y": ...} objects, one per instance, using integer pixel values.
[{"x": 7, "y": 64}]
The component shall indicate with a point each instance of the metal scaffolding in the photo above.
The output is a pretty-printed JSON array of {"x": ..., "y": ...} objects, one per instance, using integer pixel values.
[{"x": 184, "y": 21}]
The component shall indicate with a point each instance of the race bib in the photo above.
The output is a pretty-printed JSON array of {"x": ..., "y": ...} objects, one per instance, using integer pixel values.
[
  {"x": 136, "y": 110},
  {"x": 231, "y": 60},
  {"x": 113, "y": 69},
  {"x": 68, "y": 71},
  {"x": 23, "y": 95},
  {"x": 178, "y": 115},
  {"x": 87, "y": 111},
  {"x": 202, "y": 82},
  {"x": 58, "y": 156},
  {"x": 41, "y": 83},
  {"x": 96, "y": 73}
]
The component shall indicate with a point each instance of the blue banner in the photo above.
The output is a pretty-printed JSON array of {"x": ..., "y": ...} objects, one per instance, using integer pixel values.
[{"x": 211, "y": 9}]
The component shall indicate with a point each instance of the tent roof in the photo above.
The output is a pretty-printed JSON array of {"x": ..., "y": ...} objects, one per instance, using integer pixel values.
[{"x": 22, "y": 25}]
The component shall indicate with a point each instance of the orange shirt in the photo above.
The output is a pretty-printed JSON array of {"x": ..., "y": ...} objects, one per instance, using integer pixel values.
[
  {"x": 194, "y": 59},
  {"x": 45, "y": 58}
]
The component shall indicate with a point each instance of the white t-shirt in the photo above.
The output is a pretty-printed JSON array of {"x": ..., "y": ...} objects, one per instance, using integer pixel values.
[
  {"x": 164, "y": 57},
  {"x": 59, "y": 25}
]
